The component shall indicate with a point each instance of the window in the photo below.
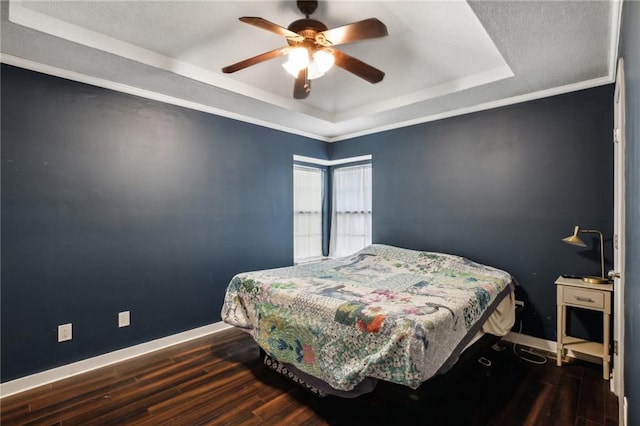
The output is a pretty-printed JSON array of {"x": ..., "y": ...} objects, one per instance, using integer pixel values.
[
  {"x": 307, "y": 212},
  {"x": 331, "y": 206},
  {"x": 351, "y": 210}
]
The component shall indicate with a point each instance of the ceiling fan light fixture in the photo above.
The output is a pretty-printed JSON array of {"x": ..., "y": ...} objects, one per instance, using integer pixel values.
[
  {"x": 314, "y": 71},
  {"x": 298, "y": 59},
  {"x": 324, "y": 60}
]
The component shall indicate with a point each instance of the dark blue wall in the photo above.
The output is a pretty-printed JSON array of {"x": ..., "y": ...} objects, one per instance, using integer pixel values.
[
  {"x": 630, "y": 51},
  {"x": 502, "y": 187},
  {"x": 112, "y": 202}
]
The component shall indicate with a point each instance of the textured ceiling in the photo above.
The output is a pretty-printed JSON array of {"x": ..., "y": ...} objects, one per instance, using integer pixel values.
[{"x": 440, "y": 58}]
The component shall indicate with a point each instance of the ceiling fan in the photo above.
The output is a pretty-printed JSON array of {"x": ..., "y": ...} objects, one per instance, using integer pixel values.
[{"x": 311, "y": 48}]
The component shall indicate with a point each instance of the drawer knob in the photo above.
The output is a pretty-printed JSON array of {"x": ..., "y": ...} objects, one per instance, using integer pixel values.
[{"x": 585, "y": 299}]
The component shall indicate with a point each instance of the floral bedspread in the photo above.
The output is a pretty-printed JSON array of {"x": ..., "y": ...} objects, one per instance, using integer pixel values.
[{"x": 385, "y": 312}]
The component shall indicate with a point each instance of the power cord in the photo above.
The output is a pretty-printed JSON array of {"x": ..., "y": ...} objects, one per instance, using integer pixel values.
[{"x": 531, "y": 356}]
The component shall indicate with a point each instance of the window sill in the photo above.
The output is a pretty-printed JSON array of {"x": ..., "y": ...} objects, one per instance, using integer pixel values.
[{"x": 311, "y": 260}]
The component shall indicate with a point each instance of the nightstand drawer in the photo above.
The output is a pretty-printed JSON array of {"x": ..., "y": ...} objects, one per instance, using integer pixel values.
[{"x": 582, "y": 297}]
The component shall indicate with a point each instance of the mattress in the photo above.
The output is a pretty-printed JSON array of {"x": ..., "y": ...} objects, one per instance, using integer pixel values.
[{"x": 383, "y": 313}]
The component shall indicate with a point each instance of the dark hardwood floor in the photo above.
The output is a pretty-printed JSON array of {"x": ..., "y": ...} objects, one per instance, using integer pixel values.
[{"x": 220, "y": 380}]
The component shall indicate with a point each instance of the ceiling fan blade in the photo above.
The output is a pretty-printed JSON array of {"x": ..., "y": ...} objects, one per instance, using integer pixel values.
[
  {"x": 255, "y": 60},
  {"x": 270, "y": 26},
  {"x": 357, "y": 67},
  {"x": 361, "y": 30},
  {"x": 302, "y": 86}
]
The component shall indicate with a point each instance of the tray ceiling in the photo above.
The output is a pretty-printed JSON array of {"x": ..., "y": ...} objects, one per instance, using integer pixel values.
[{"x": 440, "y": 58}]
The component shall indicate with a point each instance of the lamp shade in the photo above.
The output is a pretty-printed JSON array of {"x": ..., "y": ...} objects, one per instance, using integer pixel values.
[
  {"x": 574, "y": 239},
  {"x": 298, "y": 59},
  {"x": 314, "y": 71},
  {"x": 324, "y": 60}
]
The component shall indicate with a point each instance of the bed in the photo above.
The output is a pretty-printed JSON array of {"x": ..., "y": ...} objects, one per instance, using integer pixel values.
[{"x": 384, "y": 313}]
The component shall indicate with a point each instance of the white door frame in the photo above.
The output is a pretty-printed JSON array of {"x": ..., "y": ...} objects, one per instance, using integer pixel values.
[{"x": 619, "y": 229}]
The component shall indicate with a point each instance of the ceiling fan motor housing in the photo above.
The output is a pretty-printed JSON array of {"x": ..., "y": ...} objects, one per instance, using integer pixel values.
[{"x": 307, "y": 28}]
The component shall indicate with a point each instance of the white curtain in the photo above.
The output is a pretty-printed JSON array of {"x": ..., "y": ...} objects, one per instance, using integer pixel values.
[
  {"x": 307, "y": 212},
  {"x": 351, "y": 210}
]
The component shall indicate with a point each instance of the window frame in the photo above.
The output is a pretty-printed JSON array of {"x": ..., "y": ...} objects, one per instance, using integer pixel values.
[
  {"x": 323, "y": 210},
  {"x": 333, "y": 213},
  {"x": 327, "y": 166}
]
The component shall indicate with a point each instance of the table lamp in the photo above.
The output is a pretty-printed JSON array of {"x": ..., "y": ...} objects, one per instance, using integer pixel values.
[{"x": 576, "y": 241}]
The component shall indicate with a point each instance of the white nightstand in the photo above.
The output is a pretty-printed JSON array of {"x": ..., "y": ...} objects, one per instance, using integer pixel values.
[{"x": 596, "y": 297}]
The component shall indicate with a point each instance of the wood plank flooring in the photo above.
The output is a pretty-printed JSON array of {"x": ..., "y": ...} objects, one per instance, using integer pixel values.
[{"x": 220, "y": 380}]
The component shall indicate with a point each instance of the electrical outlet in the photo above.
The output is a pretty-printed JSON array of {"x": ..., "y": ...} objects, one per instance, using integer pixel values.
[
  {"x": 520, "y": 303},
  {"x": 65, "y": 332},
  {"x": 124, "y": 319}
]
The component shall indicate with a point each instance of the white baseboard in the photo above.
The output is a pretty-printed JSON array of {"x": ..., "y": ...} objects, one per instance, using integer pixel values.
[
  {"x": 532, "y": 342},
  {"x": 34, "y": 380},
  {"x": 546, "y": 345}
]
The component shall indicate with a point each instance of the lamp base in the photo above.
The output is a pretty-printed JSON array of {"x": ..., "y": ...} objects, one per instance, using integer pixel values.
[{"x": 595, "y": 280}]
